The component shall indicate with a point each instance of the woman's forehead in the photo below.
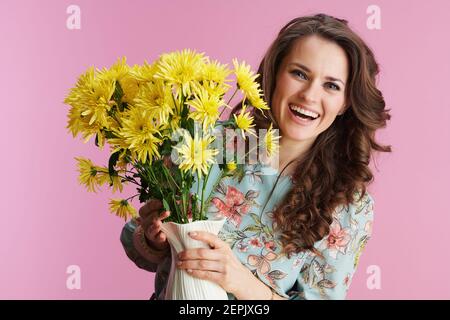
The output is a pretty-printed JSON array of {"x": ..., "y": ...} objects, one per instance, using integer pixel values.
[{"x": 319, "y": 55}]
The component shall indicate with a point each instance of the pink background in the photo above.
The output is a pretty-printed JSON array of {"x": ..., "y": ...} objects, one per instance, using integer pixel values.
[{"x": 50, "y": 222}]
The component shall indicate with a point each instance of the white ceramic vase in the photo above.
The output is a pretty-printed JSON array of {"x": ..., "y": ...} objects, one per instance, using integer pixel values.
[{"x": 180, "y": 284}]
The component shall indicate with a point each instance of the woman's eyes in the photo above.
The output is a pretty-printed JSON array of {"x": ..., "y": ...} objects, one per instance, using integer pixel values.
[
  {"x": 330, "y": 85},
  {"x": 334, "y": 86},
  {"x": 299, "y": 72}
]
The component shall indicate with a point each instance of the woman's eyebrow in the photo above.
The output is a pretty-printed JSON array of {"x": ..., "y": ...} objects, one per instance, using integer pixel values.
[{"x": 302, "y": 66}]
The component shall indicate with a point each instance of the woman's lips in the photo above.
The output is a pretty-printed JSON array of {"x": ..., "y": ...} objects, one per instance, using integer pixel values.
[{"x": 299, "y": 120}]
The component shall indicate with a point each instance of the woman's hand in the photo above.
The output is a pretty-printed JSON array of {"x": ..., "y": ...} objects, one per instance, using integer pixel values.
[
  {"x": 151, "y": 222},
  {"x": 217, "y": 264}
]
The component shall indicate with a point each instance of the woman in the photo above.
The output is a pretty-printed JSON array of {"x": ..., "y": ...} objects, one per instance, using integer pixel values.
[{"x": 297, "y": 235}]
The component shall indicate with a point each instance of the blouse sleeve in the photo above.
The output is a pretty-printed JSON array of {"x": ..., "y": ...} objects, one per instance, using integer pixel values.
[
  {"x": 329, "y": 276},
  {"x": 130, "y": 238}
]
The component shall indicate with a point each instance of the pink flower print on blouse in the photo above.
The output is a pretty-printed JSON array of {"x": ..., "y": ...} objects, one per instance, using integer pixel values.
[
  {"x": 270, "y": 245},
  {"x": 262, "y": 262},
  {"x": 234, "y": 206},
  {"x": 255, "y": 242},
  {"x": 337, "y": 240}
]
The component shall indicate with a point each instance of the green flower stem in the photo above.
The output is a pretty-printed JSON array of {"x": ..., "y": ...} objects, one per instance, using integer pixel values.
[
  {"x": 183, "y": 197},
  {"x": 169, "y": 177},
  {"x": 205, "y": 181},
  {"x": 179, "y": 218},
  {"x": 155, "y": 181},
  {"x": 132, "y": 197},
  {"x": 198, "y": 192},
  {"x": 215, "y": 186},
  {"x": 130, "y": 179},
  {"x": 234, "y": 93}
]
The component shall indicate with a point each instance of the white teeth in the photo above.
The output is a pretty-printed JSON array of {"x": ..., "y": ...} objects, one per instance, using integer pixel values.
[{"x": 303, "y": 111}]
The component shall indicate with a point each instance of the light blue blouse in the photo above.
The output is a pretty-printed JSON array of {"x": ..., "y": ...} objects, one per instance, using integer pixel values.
[{"x": 249, "y": 232}]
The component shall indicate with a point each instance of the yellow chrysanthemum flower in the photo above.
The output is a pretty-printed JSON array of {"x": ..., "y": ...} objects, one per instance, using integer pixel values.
[
  {"x": 117, "y": 71},
  {"x": 104, "y": 178},
  {"x": 140, "y": 133},
  {"x": 99, "y": 102},
  {"x": 122, "y": 162},
  {"x": 206, "y": 108},
  {"x": 156, "y": 98},
  {"x": 195, "y": 153},
  {"x": 270, "y": 142},
  {"x": 91, "y": 101},
  {"x": 122, "y": 208},
  {"x": 175, "y": 122},
  {"x": 118, "y": 143},
  {"x": 121, "y": 72},
  {"x": 215, "y": 71},
  {"x": 245, "y": 79},
  {"x": 145, "y": 72},
  {"x": 89, "y": 174},
  {"x": 181, "y": 69},
  {"x": 215, "y": 89},
  {"x": 231, "y": 166},
  {"x": 79, "y": 124},
  {"x": 257, "y": 101},
  {"x": 244, "y": 121}
]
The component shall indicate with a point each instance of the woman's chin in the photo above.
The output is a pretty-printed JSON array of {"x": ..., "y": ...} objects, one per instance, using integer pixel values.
[{"x": 298, "y": 133}]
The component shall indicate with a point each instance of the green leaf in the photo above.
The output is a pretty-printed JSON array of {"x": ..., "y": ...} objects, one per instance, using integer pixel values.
[
  {"x": 252, "y": 228},
  {"x": 118, "y": 93},
  {"x": 166, "y": 148},
  {"x": 255, "y": 218},
  {"x": 109, "y": 134},
  {"x": 112, "y": 162},
  {"x": 166, "y": 205}
]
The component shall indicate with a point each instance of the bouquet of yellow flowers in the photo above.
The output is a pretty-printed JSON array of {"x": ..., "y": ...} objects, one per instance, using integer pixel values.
[{"x": 158, "y": 120}]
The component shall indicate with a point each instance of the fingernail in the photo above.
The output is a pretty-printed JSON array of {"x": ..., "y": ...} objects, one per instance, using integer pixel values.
[
  {"x": 179, "y": 263},
  {"x": 192, "y": 233},
  {"x": 189, "y": 270}
]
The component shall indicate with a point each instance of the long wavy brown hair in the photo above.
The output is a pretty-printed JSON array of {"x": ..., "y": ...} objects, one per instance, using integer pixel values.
[{"x": 336, "y": 167}]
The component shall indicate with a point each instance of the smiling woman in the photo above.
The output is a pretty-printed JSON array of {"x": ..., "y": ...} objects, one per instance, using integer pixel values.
[
  {"x": 317, "y": 65},
  {"x": 298, "y": 233},
  {"x": 306, "y": 98}
]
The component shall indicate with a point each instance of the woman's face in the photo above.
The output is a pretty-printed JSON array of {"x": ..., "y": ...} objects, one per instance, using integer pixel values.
[{"x": 312, "y": 79}]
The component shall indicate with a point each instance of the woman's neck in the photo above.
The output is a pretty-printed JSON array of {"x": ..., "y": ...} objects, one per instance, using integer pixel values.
[{"x": 290, "y": 150}]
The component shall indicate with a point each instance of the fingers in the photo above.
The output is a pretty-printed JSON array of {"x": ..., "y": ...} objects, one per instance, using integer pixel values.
[
  {"x": 149, "y": 207},
  {"x": 200, "y": 254},
  {"x": 161, "y": 237},
  {"x": 205, "y": 265},
  {"x": 154, "y": 219},
  {"x": 205, "y": 275},
  {"x": 152, "y": 228},
  {"x": 212, "y": 240},
  {"x": 164, "y": 215}
]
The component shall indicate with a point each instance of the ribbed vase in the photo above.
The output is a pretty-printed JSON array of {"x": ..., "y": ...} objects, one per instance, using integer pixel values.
[{"x": 181, "y": 285}]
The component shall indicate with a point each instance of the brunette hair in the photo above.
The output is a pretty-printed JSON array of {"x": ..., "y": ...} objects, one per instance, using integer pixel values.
[{"x": 336, "y": 167}]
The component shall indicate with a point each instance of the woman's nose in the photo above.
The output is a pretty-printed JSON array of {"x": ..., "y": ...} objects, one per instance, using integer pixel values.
[{"x": 310, "y": 94}]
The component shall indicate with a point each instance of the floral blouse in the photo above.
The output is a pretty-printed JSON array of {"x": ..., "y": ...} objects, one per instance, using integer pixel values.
[{"x": 248, "y": 230}]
